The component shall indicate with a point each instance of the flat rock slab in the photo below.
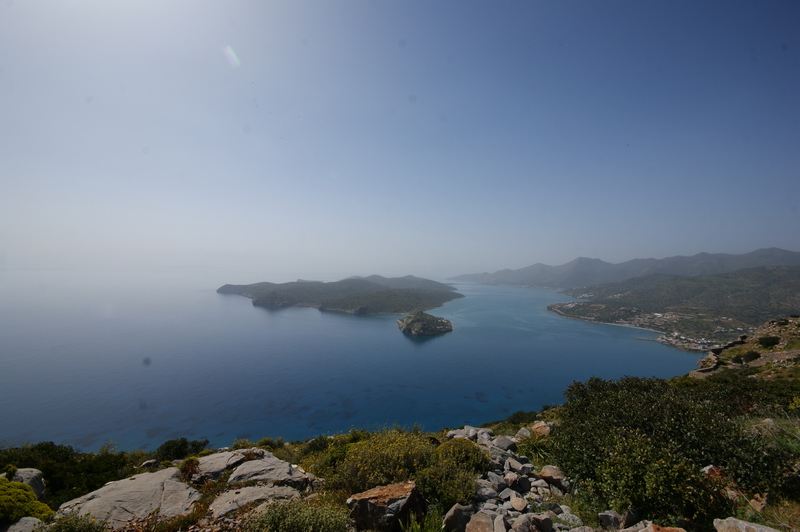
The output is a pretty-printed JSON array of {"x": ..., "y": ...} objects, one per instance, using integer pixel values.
[
  {"x": 26, "y": 524},
  {"x": 270, "y": 469},
  {"x": 385, "y": 507},
  {"x": 234, "y": 499},
  {"x": 137, "y": 497},
  {"x": 480, "y": 522},
  {"x": 215, "y": 464},
  {"x": 732, "y": 524}
]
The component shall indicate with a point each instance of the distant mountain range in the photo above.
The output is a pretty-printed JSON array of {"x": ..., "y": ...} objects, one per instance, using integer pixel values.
[
  {"x": 586, "y": 272},
  {"x": 357, "y": 295}
]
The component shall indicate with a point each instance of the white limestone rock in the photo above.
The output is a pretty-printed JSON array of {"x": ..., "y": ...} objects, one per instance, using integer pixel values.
[
  {"x": 137, "y": 497},
  {"x": 271, "y": 469},
  {"x": 234, "y": 499}
]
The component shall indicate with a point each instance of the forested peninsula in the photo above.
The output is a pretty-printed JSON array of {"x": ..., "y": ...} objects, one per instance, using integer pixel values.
[{"x": 355, "y": 295}]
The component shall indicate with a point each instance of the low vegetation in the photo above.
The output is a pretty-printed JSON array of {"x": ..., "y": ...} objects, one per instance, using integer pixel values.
[
  {"x": 18, "y": 500},
  {"x": 77, "y": 523},
  {"x": 298, "y": 515},
  {"x": 651, "y": 457},
  {"x": 445, "y": 474}
]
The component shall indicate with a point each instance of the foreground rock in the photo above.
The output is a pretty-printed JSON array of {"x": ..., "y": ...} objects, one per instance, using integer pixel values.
[
  {"x": 164, "y": 494},
  {"x": 232, "y": 500},
  {"x": 213, "y": 465},
  {"x": 137, "y": 497},
  {"x": 512, "y": 494},
  {"x": 736, "y": 525},
  {"x": 30, "y": 477},
  {"x": 268, "y": 468},
  {"x": 385, "y": 507},
  {"x": 26, "y": 524}
]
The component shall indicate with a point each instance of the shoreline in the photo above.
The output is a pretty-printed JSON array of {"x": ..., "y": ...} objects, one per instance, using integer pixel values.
[
  {"x": 663, "y": 337},
  {"x": 556, "y": 312}
]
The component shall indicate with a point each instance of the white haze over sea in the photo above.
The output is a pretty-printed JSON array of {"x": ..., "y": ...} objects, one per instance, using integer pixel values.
[{"x": 137, "y": 356}]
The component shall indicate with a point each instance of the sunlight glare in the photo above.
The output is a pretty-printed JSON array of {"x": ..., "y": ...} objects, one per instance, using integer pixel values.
[{"x": 231, "y": 56}]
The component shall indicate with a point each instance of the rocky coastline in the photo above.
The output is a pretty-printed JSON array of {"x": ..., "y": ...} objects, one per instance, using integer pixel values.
[{"x": 422, "y": 324}]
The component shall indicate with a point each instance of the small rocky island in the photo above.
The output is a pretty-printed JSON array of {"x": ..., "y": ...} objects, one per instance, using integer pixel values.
[{"x": 421, "y": 324}]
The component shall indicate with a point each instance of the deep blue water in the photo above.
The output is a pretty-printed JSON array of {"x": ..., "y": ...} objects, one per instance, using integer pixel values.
[{"x": 139, "y": 360}]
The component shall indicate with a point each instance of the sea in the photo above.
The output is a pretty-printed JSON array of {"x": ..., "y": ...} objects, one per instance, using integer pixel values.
[{"x": 130, "y": 359}]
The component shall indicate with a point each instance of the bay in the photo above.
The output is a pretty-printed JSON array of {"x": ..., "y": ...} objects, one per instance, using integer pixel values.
[{"x": 137, "y": 358}]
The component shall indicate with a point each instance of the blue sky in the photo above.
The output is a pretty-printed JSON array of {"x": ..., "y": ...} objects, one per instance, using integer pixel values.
[{"x": 395, "y": 137}]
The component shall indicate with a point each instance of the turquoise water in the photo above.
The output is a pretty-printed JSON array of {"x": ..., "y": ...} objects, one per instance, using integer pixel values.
[{"x": 140, "y": 359}]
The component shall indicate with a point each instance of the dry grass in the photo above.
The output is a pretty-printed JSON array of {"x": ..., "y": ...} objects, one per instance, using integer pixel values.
[{"x": 783, "y": 515}]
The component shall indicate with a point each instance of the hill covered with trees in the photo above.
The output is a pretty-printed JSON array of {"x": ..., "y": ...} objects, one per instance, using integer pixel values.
[
  {"x": 357, "y": 295},
  {"x": 717, "y": 308}
]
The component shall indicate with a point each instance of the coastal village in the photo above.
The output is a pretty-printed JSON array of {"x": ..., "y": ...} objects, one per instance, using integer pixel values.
[{"x": 666, "y": 323}]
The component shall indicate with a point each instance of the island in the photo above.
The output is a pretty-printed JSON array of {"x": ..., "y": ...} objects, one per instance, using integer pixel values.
[
  {"x": 355, "y": 295},
  {"x": 421, "y": 324}
]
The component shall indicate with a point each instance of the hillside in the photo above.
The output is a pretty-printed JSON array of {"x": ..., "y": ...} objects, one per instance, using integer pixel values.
[
  {"x": 714, "y": 308},
  {"x": 771, "y": 352},
  {"x": 585, "y": 272},
  {"x": 356, "y": 295}
]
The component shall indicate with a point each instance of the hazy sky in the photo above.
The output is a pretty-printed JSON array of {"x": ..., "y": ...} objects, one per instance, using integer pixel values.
[{"x": 395, "y": 137}]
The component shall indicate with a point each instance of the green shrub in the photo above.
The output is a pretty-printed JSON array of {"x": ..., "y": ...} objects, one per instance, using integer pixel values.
[
  {"x": 655, "y": 479},
  {"x": 315, "y": 445},
  {"x": 17, "y": 500},
  {"x": 70, "y": 473},
  {"x": 769, "y": 341},
  {"x": 271, "y": 443},
  {"x": 432, "y": 522},
  {"x": 243, "y": 444},
  {"x": 734, "y": 393},
  {"x": 299, "y": 516},
  {"x": 75, "y": 523},
  {"x": 190, "y": 467},
  {"x": 750, "y": 356},
  {"x": 323, "y": 454},
  {"x": 451, "y": 476},
  {"x": 387, "y": 457},
  {"x": 10, "y": 470},
  {"x": 445, "y": 484},
  {"x": 462, "y": 453},
  {"x": 635, "y": 436},
  {"x": 536, "y": 448},
  {"x": 179, "y": 449}
]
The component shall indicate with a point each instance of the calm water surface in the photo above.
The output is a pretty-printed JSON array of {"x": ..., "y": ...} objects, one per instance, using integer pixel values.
[{"x": 139, "y": 359}]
